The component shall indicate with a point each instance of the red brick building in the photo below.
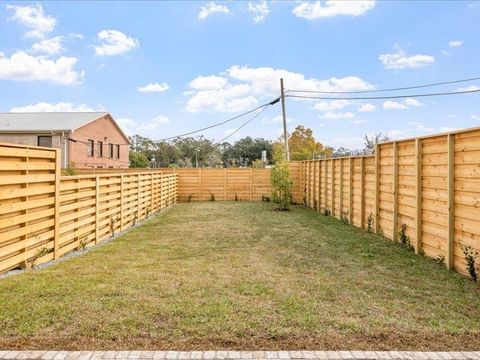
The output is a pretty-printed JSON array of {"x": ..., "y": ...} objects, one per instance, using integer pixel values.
[{"x": 88, "y": 139}]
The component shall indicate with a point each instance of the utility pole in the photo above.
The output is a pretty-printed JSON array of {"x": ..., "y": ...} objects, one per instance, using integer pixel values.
[{"x": 285, "y": 132}]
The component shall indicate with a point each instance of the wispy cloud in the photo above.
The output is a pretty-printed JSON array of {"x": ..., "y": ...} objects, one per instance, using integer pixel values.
[
  {"x": 212, "y": 8},
  {"x": 154, "y": 87},
  {"x": 260, "y": 10},
  {"x": 114, "y": 42},
  {"x": 330, "y": 8},
  {"x": 399, "y": 59},
  {"x": 34, "y": 18}
]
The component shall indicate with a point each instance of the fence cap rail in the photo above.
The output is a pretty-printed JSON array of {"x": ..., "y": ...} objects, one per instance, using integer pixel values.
[{"x": 117, "y": 174}]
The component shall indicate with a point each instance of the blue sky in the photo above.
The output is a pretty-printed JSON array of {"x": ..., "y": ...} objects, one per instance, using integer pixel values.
[{"x": 163, "y": 68}]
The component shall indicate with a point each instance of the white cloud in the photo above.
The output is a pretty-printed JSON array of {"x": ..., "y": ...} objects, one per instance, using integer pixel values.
[
  {"x": 260, "y": 10},
  {"x": 76, "y": 36},
  {"x": 155, "y": 123},
  {"x": 446, "y": 53},
  {"x": 451, "y": 116},
  {"x": 455, "y": 43},
  {"x": 55, "y": 107},
  {"x": 330, "y": 8},
  {"x": 400, "y": 60},
  {"x": 24, "y": 67},
  {"x": 114, "y": 42},
  {"x": 412, "y": 102},
  {"x": 239, "y": 88},
  {"x": 153, "y": 87},
  {"x": 212, "y": 8},
  {"x": 475, "y": 117},
  {"x": 337, "y": 116},
  {"x": 356, "y": 122},
  {"x": 448, "y": 129},
  {"x": 276, "y": 120},
  {"x": 354, "y": 142},
  {"x": 394, "y": 105},
  {"x": 469, "y": 88},
  {"x": 331, "y": 105},
  {"x": 395, "y": 134},
  {"x": 127, "y": 125},
  {"x": 211, "y": 82},
  {"x": 34, "y": 18},
  {"x": 367, "y": 108},
  {"x": 421, "y": 127},
  {"x": 49, "y": 46}
]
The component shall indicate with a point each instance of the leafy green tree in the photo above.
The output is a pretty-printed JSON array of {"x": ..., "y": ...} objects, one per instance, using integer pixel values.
[
  {"x": 303, "y": 145},
  {"x": 246, "y": 150},
  {"x": 281, "y": 185},
  {"x": 138, "y": 160}
]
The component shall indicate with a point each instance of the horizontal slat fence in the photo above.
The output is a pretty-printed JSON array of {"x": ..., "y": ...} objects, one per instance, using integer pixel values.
[
  {"x": 431, "y": 185},
  {"x": 44, "y": 215},
  {"x": 248, "y": 184}
]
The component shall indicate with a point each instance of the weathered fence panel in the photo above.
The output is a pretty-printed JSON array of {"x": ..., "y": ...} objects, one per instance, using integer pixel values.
[
  {"x": 430, "y": 186},
  {"x": 43, "y": 216}
]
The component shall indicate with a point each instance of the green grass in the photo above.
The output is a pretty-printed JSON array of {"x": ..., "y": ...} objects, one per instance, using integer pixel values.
[{"x": 240, "y": 275}]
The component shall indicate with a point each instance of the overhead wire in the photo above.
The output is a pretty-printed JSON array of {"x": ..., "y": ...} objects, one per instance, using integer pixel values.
[
  {"x": 241, "y": 126},
  {"x": 384, "y": 97},
  {"x": 274, "y": 101},
  {"x": 385, "y": 90}
]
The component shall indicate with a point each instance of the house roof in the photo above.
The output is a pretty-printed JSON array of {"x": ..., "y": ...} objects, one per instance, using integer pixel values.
[
  {"x": 46, "y": 121},
  {"x": 41, "y": 122}
]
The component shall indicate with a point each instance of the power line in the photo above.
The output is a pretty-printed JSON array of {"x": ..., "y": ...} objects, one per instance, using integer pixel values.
[
  {"x": 221, "y": 123},
  {"x": 241, "y": 126},
  {"x": 385, "y": 90},
  {"x": 384, "y": 97}
]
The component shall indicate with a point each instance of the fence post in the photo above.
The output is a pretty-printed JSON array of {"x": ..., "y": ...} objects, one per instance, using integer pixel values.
[
  {"x": 251, "y": 184},
  {"x": 121, "y": 203},
  {"x": 97, "y": 205},
  {"x": 319, "y": 207},
  {"x": 395, "y": 192},
  {"x": 225, "y": 184},
  {"x": 418, "y": 194},
  {"x": 325, "y": 183},
  {"x": 58, "y": 172},
  {"x": 152, "y": 204},
  {"x": 199, "y": 184},
  {"x": 377, "y": 189},
  {"x": 333, "y": 187},
  {"x": 362, "y": 192},
  {"x": 314, "y": 185},
  {"x": 451, "y": 202},
  {"x": 138, "y": 196},
  {"x": 350, "y": 191},
  {"x": 341, "y": 188}
]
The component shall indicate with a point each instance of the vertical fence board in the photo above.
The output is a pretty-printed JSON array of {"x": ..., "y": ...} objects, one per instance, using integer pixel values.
[
  {"x": 418, "y": 195},
  {"x": 451, "y": 202}
]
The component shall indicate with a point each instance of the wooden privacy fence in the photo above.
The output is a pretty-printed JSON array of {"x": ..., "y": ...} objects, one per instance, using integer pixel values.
[
  {"x": 429, "y": 185},
  {"x": 44, "y": 215},
  {"x": 232, "y": 183}
]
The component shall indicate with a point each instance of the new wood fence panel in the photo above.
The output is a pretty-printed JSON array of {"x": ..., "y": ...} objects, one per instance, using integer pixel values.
[
  {"x": 435, "y": 196},
  {"x": 44, "y": 216},
  {"x": 466, "y": 212},
  {"x": 429, "y": 185},
  {"x": 27, "y": 203},
  {"x": 245, "y": 184}
]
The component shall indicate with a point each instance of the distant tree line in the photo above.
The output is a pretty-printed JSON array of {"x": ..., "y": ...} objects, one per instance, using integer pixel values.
[{"x": 245, "y": 152}]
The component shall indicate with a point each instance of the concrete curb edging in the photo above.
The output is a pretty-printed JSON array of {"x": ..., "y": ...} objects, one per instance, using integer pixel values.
[{"x": 235, "y": 355}]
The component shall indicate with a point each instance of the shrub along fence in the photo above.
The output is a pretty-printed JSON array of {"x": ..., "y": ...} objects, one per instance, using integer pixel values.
[
  {"x": 249, "y": 184},
  {"x": 425, "y": 191},
  {"x": 44, "y": 215}
]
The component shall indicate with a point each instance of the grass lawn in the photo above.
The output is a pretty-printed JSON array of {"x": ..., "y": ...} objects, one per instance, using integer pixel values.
[{"x": 237, "y": 275}]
